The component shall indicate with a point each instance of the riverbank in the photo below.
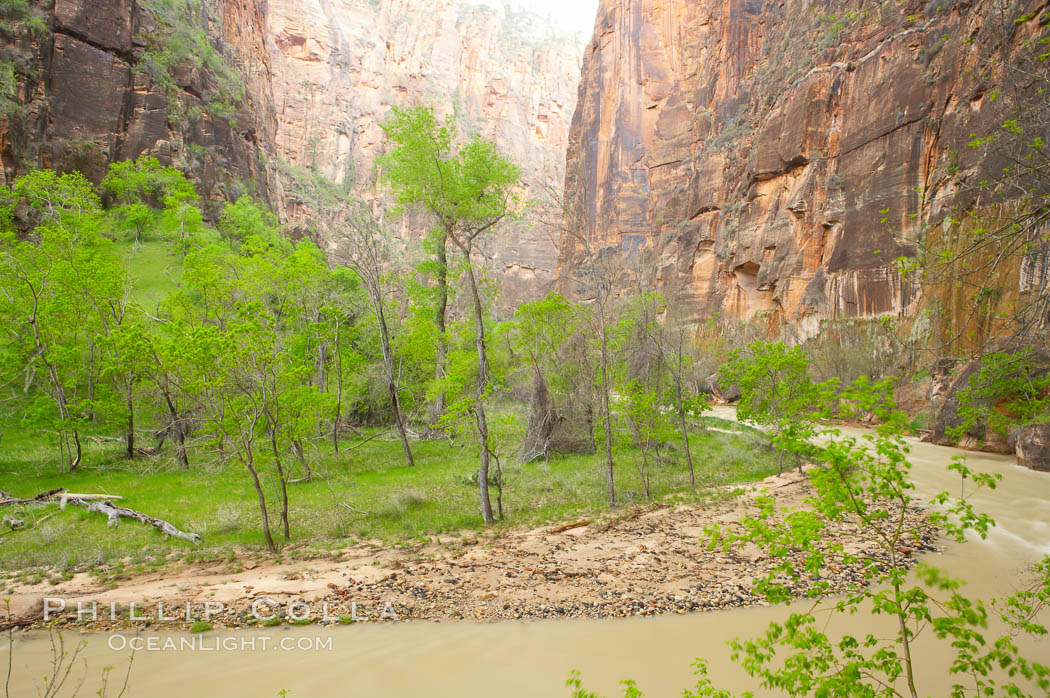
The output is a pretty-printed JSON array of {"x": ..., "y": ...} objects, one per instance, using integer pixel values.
[
  {"x": 527, "y": 659},
  {"x": 636, "y": 562}
]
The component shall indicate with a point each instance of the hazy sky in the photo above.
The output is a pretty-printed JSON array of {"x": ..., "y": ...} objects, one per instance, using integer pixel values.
[{"x": 574, "y": 15}]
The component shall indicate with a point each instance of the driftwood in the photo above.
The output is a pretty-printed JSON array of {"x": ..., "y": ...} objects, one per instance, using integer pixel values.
[
  {"x": 42, "y": 498},
  {"x": 64, "y": 496},
  {"x": 102, "y": 504},
  {"x": 114, "y": 514},
  {"x": 13, "y": 522},
  {"x": 569, "y": 526},
  {"x": 12, "y": 623}
]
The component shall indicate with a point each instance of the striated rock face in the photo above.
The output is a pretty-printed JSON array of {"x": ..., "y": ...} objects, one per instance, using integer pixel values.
[
  {"x": 89, "y": 93},
  {"x": 339, "y": 66},
  {"x": 773, "y": 157}
]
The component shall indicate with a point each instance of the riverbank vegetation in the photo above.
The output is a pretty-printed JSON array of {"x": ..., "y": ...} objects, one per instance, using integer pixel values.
[
  {"x": 867, "y": 481},
  {"x": 260, "y": 391},
  {"x": 249, "y": 388}
]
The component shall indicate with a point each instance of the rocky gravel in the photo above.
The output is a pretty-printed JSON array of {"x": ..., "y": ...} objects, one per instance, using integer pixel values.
[{"x": 646, "y": 562}]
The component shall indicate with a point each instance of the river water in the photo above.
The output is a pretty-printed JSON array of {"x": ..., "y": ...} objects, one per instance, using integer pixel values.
[{"x": 532, "y": 659}]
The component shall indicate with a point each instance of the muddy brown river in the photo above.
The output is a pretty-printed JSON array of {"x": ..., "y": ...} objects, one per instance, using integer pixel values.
[{"x": 532, "y": 659}]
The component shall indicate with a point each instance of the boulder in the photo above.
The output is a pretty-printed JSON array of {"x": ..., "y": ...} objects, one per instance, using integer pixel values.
[{"x": 1033, "y": 446}]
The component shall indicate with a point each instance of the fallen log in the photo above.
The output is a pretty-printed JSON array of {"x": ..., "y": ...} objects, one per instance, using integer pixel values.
[
  {"x": 114, "y": 514},
  {"x": 63, "y": 496},
  {"x": 12, "y": 623},
  {"x": 103, "y": 504},
  {"x": 569, "y": 526},
  {"x": 43, "y": 497}
]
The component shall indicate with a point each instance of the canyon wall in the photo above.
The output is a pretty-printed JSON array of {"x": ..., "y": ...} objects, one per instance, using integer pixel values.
[
  {"x": 340, "y": 65},
  {"x": 285, "y": 97},
  {"x": 772, "y": 158},
  {"x": 105, "y": 80}
]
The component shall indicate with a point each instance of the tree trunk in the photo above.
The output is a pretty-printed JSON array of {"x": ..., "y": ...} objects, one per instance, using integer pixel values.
[
  {"x": 499, "y": 487},
  {"x": 479, "y": 405},
  {"x": 338, "y": 417},
  {"x": 262, "y": 501},
  {"x": 300, "y": 453},
  {"x": 283, "y": 480},
  {"x": 391, "y": 380},
  {"x": 685, "y": 432},
  {"x": 606, "y": 409},
  {"x": 177, "y": 431},
  {"x": 76, "y": 459},
  {"x": 180, "y": 448},
  {"x": 437, "y": 407},
  {"x": 130, "y": 436}
]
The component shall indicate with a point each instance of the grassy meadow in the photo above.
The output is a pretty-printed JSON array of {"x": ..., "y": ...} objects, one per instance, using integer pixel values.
[{"x": 364, "y": 493}]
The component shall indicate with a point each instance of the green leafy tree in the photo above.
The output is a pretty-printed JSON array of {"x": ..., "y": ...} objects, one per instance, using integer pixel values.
[
  {"x": 170, "y": 370},
  {"x": 365, "y": 250},
  {"x": 249, "y": 334},
  {"x": 646, "y": 427},
  {"x": 137, "y": 189},
  {"x": 548, "y": 339},
  {"x": 246, "y": 217},
  {"x": 677, "y": 353},
  {"x": 1007, "y": 389},
  {"x": 416, "y": 168},
  {"x": 641, "y": 379},
  {"x": 775, "y": 392},
  {"x": 62, "y": 282},
  {"x": 468, "y": 189}
]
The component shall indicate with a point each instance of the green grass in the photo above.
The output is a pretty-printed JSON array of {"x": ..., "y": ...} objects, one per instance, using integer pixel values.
[
  {"x": 154, "y": 268},
  {"x": 364, "y": 493}
]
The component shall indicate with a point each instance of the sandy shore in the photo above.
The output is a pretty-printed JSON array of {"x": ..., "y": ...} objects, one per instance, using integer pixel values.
[{"x": 642, "y": 562}]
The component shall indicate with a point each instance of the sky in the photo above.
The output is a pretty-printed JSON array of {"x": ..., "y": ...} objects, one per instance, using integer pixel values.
[{"x": 572, "y": 15}]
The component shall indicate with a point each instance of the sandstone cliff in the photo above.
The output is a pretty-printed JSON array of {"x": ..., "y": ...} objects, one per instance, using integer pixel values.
[
  {"x": 773, "y": 157},
  {"x": 115, "y": 79},
  {"x": 339, "y": 66},
  {"x": 247, "y": 95}
]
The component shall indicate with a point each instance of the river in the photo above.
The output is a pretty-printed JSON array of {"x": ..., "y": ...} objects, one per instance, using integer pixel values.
[{"x": 532, "y": 659}]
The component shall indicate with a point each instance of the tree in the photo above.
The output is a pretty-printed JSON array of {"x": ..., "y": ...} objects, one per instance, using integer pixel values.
[
  {"x": 138, "y": 189},
  {"x": 245, "y": 217},
  {"x": 468, "y": 189},
  {"x": 776, "y": 392},
  {"x": 247, "y": 339},
  {"x": 596, "y": 272},
  {"x": 170, "y": 371},
  {"x": 646, "y": 427},
  {"x": 1007, "y": 389},
  {"x": 416, "y": 168},
  {"x": 62, "y": 283},
  {"x": 674, "y": 347},
  {"x": 549, "y": 336},
  {"x": 365, "y": 251},
  {"x": 984, "y": 267}
]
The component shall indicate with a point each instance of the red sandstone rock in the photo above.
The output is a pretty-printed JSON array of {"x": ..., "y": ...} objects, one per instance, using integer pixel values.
[
  {"x": 771, "y": 158},
  {"x": 339, "y": 67},
  {"x": 1033, "y": 446}
]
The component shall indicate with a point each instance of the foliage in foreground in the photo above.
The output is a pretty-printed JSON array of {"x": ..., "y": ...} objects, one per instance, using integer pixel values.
[{"x": 867, "y": 481}]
